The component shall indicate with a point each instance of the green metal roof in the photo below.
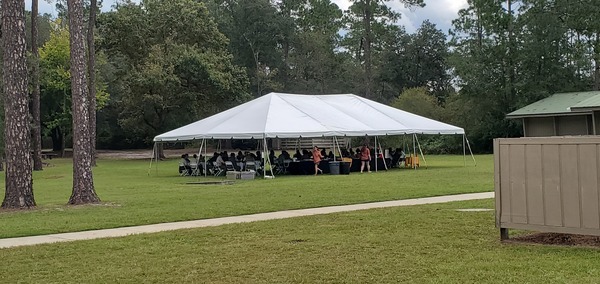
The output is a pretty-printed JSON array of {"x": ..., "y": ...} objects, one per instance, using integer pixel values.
[{"x": 559, "y": 104}]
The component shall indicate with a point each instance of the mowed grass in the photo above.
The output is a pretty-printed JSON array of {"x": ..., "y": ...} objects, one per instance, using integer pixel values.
[
  {"x": 132, "y": 197},
  {"x": 419, "y": 244}
]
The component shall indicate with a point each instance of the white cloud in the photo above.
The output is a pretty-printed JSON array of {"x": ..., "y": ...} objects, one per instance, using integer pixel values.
[{"x": 439, "y": 12}]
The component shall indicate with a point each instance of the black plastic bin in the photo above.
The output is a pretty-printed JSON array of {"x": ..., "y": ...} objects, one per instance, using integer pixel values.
[
  {"x": 345, "y": 168},
  {"x": 334, "y": 167}
]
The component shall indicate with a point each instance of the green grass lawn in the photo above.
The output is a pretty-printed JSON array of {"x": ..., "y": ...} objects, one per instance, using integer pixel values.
[
  {"x": 418, "y": 244},
  {"x": 131, "y": 197}
]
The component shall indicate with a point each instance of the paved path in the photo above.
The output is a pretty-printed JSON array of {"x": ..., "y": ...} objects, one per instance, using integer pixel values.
[{"x": 120, "y": 232}]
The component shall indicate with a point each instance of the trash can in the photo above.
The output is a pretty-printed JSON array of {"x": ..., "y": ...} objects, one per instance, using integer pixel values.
[
  {"x": 334, "y": 167},
  {"x": 345, "y": 168}
]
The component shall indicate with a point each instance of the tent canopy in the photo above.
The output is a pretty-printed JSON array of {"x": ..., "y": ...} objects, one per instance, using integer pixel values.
[{"x": 278, "y": 115}]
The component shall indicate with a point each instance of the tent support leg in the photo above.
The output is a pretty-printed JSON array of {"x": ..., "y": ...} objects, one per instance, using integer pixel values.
[
  {"x": 470, "y": 151},
  {"x": 464, "y": 151},
  {"x": 414, "y": 153},
  {"x": 205, "y": 160},
  {"x": 421, "y": 150},
  {"x": 198, "y": 159},
  {"x": 152, "y": 157},
  {"x": 383, "y": 159},
  {"x": 375, "y": 153}
]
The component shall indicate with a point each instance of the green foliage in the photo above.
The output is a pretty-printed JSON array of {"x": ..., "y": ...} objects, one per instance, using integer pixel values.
[{"x": 172, "y": 66}]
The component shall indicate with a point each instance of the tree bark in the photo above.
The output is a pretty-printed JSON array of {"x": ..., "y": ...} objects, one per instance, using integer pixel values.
[
  {"x": 36, "y": 131},
  {"x": 19, "y": 183},
  {"x": 367, "y": 47},
  {"x": 92, "y": 79},
  {"x": 83, "y": 181}
]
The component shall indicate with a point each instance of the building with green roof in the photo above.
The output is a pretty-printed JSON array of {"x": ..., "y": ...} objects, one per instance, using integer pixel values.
[{"x": 576, "y": 113}]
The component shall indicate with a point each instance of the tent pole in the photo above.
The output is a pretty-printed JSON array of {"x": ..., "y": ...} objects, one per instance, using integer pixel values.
[
  {"x": 375, "y": 153},
  {"x": 469, "y": 145},
  {"x": 339, "y": 148},
  {"x": 205, "y": 160},
  {"x": 152, "y": 158},
  {"x": 421, "y": 150},
  {"x": 333, "y": 142},
  {"x": 464, "y": 151},
  {"x": 383, "y": 159},
  {"x": 414, "y": 153},
  {"x": 198, "y": 159}
]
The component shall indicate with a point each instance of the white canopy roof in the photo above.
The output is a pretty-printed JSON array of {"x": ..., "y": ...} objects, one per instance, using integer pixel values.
[{"x": 292, "y": 116}]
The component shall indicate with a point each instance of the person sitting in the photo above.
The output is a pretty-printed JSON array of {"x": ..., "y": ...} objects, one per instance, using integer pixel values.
[
  {"x": 351, "y": 153},
  {"x": 240, "y": 156},
  {"x": 357, "y": 153},
  {"x": 233, "y": 160},
  {"x": 298, "y": 155},
  {"x": 213, "y": 158},
  {"x": 185, "y": 164},
  {"x": 219, "y": 161},
  {"x": 250, "y": 157},
  {"x": 225, "y": 156},
  {"x": 286, "y": 155},
  {"x": 402, "y": 158},
  {"x": 272, "y": 156},
  {"x": 306, "y": 155},
  {"x": 331, "y": 156}
]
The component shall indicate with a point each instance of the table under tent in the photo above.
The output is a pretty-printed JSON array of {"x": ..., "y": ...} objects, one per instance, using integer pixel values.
[{"x": 297, "y": 116}]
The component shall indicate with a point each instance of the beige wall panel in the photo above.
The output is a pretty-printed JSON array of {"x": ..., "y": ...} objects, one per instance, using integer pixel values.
[
  {"x": 534, "y": 183},
  {"x": 572, "y": 125},
  {"x": 539, "y": 126},
  {"x": 505, "y": 184},
  {"x": 588, "y": 185},
  {"x": 569, "y": 182},
  {"x": 551, "y": 185},
  {"x": 518, "y": 194}
]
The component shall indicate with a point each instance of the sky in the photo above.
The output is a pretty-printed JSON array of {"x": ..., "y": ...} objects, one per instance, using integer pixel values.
[{"x": 439, "y": 12}]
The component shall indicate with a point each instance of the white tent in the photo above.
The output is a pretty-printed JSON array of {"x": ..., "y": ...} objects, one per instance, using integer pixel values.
[{"x": 278, "y": 115}]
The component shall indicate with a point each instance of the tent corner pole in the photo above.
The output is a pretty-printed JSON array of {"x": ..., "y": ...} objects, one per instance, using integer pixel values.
[
  {"x": 152, "y": 158},
  {"x": 421, "y": 150},
  {"x": 464, "y": 150},
  {"x": 375, "y": 153},
  {"x": 205, "y": 160},
  {"x": 470, "y": 151}
]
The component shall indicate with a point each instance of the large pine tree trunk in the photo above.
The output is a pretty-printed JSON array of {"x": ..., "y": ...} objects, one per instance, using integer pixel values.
[
  {"x": 19, "y": 183},
  {"x": 36, "y": 131},
  {"x": 92, "y": 79},
  {"x": 367, "y": 22},
  {"x": 83, "y": 182}
]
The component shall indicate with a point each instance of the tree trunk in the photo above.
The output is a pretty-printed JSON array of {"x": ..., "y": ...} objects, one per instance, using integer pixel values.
[
  {"x": 36, "y": 131},
  {"x": 92, "y": 79},
  {"x": 19, "y": 183},
  {"x": 83, "y": 181},
  {"x": 597, "y": 64},
  {"x": 56, "y": 136},
  {"x": 367, "y": 47}
]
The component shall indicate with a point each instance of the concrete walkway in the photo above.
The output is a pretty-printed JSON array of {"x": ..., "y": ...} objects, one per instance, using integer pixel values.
[{"x": 125, "y": 231}]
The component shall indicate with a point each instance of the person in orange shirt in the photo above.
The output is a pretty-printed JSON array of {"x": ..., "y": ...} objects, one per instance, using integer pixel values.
[
  {"x": 316, "y": 154},
  {"x": 365, "y": 158}
]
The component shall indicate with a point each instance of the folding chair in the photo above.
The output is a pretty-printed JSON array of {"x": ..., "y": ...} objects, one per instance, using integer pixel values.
[
  {"x": 250, "y": 166},
  {"x": 183, "y": 170},
  {"x": 196, "y": 170},
  {"x": 229, "y": 166},
  {"x": 286, "y": 165},
  {"x": 217, "y": 170}
]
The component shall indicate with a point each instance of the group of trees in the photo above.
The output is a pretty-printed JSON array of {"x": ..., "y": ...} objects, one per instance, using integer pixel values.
[
  {"x": 158, "y": 64},
  {"x": 22, "y": 116}
]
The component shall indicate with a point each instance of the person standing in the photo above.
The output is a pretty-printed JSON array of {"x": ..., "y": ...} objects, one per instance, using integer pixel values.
[
  {"x": 365, "y": 158},
  {"x": 316, "y": 154}
]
